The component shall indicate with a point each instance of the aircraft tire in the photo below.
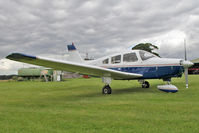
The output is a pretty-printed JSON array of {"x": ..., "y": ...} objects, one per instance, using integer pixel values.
[
  {"x": 145, "y": 84},
  {"x": 106, "y": 90}
]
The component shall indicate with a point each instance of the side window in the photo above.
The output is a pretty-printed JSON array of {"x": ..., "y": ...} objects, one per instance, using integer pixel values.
[
  {"x": 130, "y": 57},
  {"x": 116, "y": 59},
  {"x": 145, "y": 55},
  {"x": 105, "y": 61}
]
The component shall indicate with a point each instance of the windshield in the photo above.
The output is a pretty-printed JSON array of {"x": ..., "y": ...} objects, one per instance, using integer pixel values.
[{"x": 146, "y": 55}]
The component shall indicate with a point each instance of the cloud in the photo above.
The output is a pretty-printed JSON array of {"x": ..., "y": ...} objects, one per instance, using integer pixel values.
[
  {"x": 6, "y": 66},
  {"x": 42, "y": 27},
  {"x": 173, "y": 41}
]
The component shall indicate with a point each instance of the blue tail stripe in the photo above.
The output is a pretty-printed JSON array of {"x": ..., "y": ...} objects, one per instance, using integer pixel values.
[{"x": 71, "y": 47}]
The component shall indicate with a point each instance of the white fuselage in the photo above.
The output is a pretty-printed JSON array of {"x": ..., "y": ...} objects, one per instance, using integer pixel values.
[{"x": 141, "y": 62}]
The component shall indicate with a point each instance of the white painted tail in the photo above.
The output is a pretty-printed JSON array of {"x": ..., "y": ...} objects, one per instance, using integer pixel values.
[{"x": 74, "y": 55}]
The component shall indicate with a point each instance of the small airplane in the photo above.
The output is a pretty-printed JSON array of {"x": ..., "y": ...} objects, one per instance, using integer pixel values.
[{"x": 127, "y": 65}]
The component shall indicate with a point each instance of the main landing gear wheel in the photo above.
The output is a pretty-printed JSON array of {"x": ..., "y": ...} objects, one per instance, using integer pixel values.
[
  {"x": 106, "y": 90},
  {"x": 145, "y": 84}
]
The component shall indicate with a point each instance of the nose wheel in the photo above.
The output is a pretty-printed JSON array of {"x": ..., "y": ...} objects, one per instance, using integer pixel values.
[
  {"x": 145, "y": 84},
  {"x": 106, "y": 90}
]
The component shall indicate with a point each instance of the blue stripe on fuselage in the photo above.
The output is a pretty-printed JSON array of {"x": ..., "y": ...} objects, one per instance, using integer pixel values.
[{"x": 153, "y": 72}]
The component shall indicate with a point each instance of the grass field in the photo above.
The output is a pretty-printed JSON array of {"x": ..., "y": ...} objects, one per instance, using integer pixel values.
[{"x": 77, "y": 105}]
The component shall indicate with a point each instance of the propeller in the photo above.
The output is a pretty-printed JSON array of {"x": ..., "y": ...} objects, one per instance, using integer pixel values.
[{"x": 186, "y": 64}]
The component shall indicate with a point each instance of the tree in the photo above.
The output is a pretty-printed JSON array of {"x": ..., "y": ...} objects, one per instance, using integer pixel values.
[{"x": 147, "y": 47}]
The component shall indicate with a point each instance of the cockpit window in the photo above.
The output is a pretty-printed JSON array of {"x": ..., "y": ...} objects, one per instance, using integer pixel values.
[
  {"x": 130, "y": 57},
  {"x": 116, "y": 59},
  {"x": 146, "y": 55},
  {"x": 105, "y": 61}
]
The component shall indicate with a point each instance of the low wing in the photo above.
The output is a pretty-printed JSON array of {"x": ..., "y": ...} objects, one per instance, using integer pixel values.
[{"x": 72, "y": 67}]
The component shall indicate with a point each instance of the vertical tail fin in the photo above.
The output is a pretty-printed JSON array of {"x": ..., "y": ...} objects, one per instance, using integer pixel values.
[{"x": 74, "y": 55}]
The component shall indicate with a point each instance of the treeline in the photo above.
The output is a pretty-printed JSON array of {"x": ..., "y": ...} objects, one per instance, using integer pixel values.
[{"x": 7, "y": 77}]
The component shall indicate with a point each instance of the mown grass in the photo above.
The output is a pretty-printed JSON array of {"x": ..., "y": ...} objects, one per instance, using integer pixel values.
[{"x": 77, "y": 105}]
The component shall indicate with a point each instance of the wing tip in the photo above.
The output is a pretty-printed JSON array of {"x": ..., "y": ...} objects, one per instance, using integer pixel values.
[{"x": 18, "y": 56}]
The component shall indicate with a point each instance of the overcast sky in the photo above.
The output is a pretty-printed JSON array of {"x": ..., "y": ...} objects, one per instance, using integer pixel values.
[{"x": 99, "y": 27}]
